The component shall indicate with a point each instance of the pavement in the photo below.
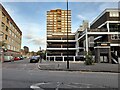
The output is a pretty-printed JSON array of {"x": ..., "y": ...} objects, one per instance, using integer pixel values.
[
  {"x": 23, "y": 74},
  {"x": 79, "y": 66}
]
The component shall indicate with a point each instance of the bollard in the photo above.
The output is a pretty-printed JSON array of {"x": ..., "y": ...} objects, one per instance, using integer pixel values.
[{"x": 58, "y": 65}]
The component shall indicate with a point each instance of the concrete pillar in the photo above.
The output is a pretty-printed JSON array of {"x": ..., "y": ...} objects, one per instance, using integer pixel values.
[
  {"x": 77, "y": 44},
  {"x": 54, "y": 58},
  {"x": 97, "y": 55},
  {"x": 119, "y": 60},
  {"x": 63, "y": 58},
  {"x": 86, "y": 41},
  {"x": 108, "y": 27},
  {"x": 48, "y": 58},
  {"x": 116, "y": 53},
  {"x": 74, "y": 58},
  {"x": 61, "y": 46},
  {"x": 109, "y": 55}
]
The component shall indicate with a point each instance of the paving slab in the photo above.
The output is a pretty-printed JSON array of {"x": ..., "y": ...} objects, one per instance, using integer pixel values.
[{"x": 79, "y": 66}]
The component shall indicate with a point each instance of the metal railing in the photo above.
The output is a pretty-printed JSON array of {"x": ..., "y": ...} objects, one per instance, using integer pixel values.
[{"x": 97, "y": 30}]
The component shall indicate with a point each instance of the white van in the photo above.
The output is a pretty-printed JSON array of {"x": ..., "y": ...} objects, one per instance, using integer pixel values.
[{"x": 8, "y": 58}]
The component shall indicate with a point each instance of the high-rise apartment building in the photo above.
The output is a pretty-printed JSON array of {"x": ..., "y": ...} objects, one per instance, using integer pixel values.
[
  {"x": 9, "y": 33},
  {"x": 57, "y": 21}
]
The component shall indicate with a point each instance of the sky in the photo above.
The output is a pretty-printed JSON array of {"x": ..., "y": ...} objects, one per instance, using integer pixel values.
[{"x": 30, "y": 17}]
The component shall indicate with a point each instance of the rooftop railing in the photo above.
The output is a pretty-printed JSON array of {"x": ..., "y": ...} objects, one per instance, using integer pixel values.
[{"x": 97, "y": 30}]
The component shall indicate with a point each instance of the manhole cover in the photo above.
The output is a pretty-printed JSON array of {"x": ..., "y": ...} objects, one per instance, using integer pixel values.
[{"x": 61, "y": 86}]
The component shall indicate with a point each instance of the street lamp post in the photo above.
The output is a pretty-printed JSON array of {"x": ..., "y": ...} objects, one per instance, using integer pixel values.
[
  {"x": 67, "y": 38},
  {"x": 40, "y": 55}
]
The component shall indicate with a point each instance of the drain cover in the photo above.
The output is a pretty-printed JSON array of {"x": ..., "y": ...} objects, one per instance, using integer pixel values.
[{"x": 61, "y": 86}]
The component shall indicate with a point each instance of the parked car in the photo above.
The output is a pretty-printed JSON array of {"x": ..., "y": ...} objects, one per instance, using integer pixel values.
[
  {"x": 21, "y": 58},
  {"x": 34, "y": 59},
  {"x": 16, "y": 58},
  {"x": 8, "y": 58}
]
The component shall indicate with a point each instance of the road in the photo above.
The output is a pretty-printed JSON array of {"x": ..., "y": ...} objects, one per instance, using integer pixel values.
[{"x": 22, "y": 74}]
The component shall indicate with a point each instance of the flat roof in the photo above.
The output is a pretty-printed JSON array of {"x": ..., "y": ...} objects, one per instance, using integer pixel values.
[{"x": 106, "y": 10}]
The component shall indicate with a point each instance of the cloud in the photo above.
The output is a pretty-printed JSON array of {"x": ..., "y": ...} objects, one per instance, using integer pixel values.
[
  {"x": 105, "y": 5},
  {"x": 36, "y": 40},
  {"x": 28, "y": 36},
  {"x": 81, "y": 17},
  {"x": 34, "y": 34}
]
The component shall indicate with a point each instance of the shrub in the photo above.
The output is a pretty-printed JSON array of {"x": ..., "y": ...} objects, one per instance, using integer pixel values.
[{"x": 88, "y": 58}]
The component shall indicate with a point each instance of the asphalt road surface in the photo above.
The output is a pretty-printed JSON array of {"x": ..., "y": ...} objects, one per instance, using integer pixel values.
[{"x": 22, "y": 74}]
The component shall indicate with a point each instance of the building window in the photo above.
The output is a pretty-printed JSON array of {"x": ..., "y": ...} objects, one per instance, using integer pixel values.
[
  {"x": 12, "y": 41},
  {"x": 114, "y": 27},
  {"x": 3, "y": 15},
  {"x": 6, "y": 28},
  {"x": 13, "y": 34},
  {"x": 58, "y": 28},
  {"x": 114, "y": 14},
  {"x": 9, "y": 39},
  {"x": 10, "y": 24},
  {"x": 7, "y": 20},
  {"x": 10, "y": 31},
  {"x": 3, "y": 25},
  {"x": 6, "y": 37}
]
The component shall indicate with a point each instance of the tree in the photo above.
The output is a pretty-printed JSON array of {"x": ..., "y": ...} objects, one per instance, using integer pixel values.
[
  {"x": 39, "y": 53},
  {"x": 3, "y": 44},
  {"x": 33, "y": 53},
  {"x": 26, "y": 49},
  {"x": 42, "y": 54},
  {"x": 88, "y": 58}
]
